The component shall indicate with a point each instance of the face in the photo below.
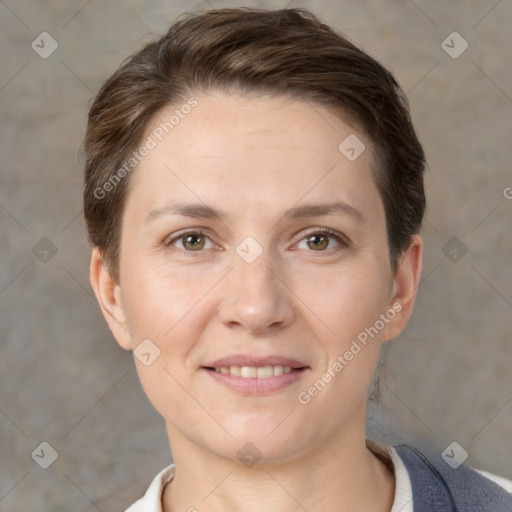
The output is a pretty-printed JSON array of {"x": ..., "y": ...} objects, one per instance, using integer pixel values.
[{"x": 252, "y": 245}]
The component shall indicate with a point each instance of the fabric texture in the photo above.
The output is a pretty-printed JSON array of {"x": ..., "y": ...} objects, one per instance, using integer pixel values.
[{"x": 437, "y": 486}]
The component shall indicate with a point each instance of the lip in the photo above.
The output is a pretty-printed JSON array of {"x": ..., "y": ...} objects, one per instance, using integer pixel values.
[
  {"x": 252, "y": 360},
  {"x": 255, "y": 385}
]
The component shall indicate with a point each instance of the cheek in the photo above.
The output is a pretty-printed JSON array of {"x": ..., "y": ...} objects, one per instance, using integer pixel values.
[
  {"x": 347, "y": 300},
  {"x": 349, "y": 304},
  {"x": 165, "y": 310},
  {"x": 172, "y": 311},
  {"x": 158, "y": 301}
]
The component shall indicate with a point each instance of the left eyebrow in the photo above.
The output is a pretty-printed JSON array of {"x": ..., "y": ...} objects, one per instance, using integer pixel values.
[
  {"x": 319, "y": 210},
  {"x": 203, "y": 211}
]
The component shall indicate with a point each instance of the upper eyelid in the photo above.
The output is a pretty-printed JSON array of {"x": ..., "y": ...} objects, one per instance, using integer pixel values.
[
  {"x": 343, "y": 240},
  {"x": 180, "y": 234}
]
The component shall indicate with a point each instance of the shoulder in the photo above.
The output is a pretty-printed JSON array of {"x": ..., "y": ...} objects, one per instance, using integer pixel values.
[
  {"x": 503, "y": 482},
  {"x": 151, "y": 501},
  {"x": 443, "y": 484}
]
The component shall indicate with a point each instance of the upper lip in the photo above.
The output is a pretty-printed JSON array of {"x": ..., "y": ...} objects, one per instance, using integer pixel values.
[{"x": 252, "y": 360}]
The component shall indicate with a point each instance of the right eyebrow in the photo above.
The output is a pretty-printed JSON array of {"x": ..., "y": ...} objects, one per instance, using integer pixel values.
[{"x": 195, "y": 210}]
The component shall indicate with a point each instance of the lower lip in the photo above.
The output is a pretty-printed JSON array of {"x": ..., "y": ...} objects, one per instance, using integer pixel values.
[{"x": 255, "y": 386}]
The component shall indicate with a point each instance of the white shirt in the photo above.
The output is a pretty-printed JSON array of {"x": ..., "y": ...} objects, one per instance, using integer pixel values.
[{"x": 151, "y": 501}]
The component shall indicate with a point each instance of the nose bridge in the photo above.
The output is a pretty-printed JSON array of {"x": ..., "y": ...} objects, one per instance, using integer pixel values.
[
  {"x": 253, "y": 261},
  {"x": 255, "y": 276},
  {"x": 255, "y": 297},
  {"x": 258, "y": 271}
]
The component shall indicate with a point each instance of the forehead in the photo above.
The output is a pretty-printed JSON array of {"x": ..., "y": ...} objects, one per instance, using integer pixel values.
[{"x": 253, "y": 154}]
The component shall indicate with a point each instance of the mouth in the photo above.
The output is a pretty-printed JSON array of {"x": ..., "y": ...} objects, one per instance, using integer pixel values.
[
  {"x": 255, "y": 372},
  {"x": 253, "y": 376}
]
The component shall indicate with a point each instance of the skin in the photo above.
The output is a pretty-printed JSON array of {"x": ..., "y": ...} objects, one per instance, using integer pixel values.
[{"x": 256, "y": 158}]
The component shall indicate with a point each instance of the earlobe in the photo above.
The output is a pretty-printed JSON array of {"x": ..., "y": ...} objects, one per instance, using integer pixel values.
[
  {"x": 108, "y": 294},
  {"x": 406, "y": 283}
]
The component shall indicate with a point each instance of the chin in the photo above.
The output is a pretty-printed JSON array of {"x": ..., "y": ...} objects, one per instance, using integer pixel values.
[{"x": 265, "y": 440}]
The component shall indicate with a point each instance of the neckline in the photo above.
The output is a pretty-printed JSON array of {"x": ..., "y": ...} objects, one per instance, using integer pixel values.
[{"x": 385, "y": 453}]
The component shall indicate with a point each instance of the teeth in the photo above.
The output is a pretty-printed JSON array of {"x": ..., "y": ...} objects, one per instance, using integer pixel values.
[
  {"x": 252, "y": 372},
  {"x": 264, "y": 372},
  {"x": 249, "y": 372},
  {"x": 233, "y": 370}
]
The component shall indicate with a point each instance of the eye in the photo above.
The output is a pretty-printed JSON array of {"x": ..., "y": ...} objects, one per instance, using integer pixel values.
[
  {"x": 319, "y": 240},
  {"x": 191, "y": 241}
]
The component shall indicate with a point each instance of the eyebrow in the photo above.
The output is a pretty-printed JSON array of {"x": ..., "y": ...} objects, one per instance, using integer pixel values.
[{"x": 203, "y": 211}]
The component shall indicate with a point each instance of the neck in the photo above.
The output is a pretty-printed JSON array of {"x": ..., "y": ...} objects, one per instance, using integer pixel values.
[{"x": 342, "y": 475}]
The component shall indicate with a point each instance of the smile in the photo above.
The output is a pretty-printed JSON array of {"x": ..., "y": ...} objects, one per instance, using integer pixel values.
[
  {"x": 252, "y": 372},
  {"x": 256, "y": 380}
]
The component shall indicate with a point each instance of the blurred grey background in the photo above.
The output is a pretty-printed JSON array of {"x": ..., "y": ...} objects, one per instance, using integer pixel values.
[{"x": 65, "y": 381}]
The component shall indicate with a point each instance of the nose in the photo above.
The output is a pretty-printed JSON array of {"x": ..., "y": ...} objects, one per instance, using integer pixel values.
[{"x": 255, "y": 296}]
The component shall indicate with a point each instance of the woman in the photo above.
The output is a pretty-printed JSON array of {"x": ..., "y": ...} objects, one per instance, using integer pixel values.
[{"x": 254, "y": 197}]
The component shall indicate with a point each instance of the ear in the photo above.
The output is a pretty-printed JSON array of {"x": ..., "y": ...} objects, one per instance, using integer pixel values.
[
  {"x": 406, "y": 283},
  {"x": 108, "y": 294}
]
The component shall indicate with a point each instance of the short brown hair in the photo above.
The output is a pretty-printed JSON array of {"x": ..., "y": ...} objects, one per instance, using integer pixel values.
[{"x": 281, "y": 52}]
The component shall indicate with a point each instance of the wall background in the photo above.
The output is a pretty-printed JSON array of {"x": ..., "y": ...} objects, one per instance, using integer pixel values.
[{"x": 64, "y": 380}]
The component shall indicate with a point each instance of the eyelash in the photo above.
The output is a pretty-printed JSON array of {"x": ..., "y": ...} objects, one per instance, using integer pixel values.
[{"x": 343, "y": 242}]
